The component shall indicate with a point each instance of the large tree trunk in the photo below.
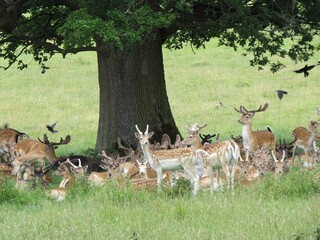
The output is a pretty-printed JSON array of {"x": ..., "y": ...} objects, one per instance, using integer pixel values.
[{"x": 132, "y": 91}]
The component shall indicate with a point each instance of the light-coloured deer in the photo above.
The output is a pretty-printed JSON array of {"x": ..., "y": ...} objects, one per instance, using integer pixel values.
[
  {"x": 60, "y": 192},
  {"x": 305, "y": 140},
  {"x": 253, "y": 140},
  {"x": 219, "y": 156},
  {"x": 170, "y": 160},
  {"x": 33, "y": 150}
]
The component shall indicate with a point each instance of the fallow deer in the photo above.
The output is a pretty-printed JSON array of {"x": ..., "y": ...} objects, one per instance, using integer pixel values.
[
  {"x": 253, "y": 140},
  {"x": 316, "y": 153},
  {"x": 8, "y": 138},
  {"x": 60, "y": 192},
  {"x": 33, "y": 150},
  {"x": 280, "y": 166},
  {"x": 248, "y": 172},
  {"x": 220, "y": 156},
  {"x": 305, "y": 140},
  {"x": 169, "y": 160}
]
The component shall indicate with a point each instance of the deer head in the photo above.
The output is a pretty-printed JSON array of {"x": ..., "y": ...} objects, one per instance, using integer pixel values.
[{"x": 247, "y": 115}]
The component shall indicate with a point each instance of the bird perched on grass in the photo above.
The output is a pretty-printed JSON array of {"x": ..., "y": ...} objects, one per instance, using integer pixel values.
[
  {"x": 280, "y": 93},
  {"x": 51, "y": 127},
  {"x": 305, "y": 70}
]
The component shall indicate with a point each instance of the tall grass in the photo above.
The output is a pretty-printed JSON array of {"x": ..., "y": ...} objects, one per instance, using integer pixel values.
[{"x": 287, "y": 208}]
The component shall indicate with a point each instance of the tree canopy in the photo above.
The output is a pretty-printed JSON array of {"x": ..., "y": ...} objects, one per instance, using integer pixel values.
[
  {"x": 115, "y": 28},
  {"x": 261, "y": 27}
]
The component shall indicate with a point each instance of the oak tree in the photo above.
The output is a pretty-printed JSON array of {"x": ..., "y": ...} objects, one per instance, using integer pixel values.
[{"x": 128, "y": 37}]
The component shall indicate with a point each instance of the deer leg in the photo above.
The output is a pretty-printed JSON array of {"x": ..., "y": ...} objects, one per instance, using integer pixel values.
[
  {"x": 227, "y": 172},
  {"x": 159, "y": 178},
  {"x": 234, "y": 166},
  {"x": 211, "y": 179},
  {"x": 219, "y": 180}
]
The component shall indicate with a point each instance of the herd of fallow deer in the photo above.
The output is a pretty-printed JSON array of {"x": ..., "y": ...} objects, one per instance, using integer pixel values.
[{"x": 197, "y": 157}]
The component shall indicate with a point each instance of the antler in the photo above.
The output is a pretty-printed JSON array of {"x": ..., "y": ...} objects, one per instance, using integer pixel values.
[
  {"x": 62, "y": 141},
  {"x": 275, "y": 159},
  {"x": 146, "y": 132},
  {"x": 45, "y": 139},
  {"x": 126, "y": 150},
  {"x": 68, "y": 161},
  {"x": 196, "y": 127},
  {"x": 260, "y": 109}
]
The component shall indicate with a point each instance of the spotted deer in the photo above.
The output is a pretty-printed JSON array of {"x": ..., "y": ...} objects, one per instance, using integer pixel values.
[
  {"x": 304, "y": 140},
  {"x": 253, "y": 140},
  {"x": 170, "y": 160},
  {"x": 219, "y": 156}
]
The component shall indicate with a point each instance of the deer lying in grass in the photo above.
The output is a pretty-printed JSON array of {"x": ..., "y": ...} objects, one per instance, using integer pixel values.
[
  {"x": 32, "y": 150},
  {"x": 169, "y": 160},
  {"x": 60, "y": 192},
  {"x": 8, "y": 138},
  {"x": 253, "y": 140},
  {"x": 280, "y": 166},
  {"x": 304, "y": 140}
]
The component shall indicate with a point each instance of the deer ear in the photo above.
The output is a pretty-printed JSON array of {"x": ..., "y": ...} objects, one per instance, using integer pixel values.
[
  {"x": 150, "y": 134},
  {"x": 137, "y": 135},
  {"x": 85, "y": 168}
]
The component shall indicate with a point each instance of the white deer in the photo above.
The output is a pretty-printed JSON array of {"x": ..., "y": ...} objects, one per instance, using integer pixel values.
[
  {"x": 219, "y": 156},
  {"x": 170, "y": 160}
]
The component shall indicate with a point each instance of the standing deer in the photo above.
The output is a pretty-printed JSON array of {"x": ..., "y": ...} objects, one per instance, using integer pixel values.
[
  {"x": 219, "y": 156},
  {"x": 305, "y": 139},
  {"x": 171, "y": 160},
  {"x": 253, "y": 140},
  {"x": 33, "y": 150}
]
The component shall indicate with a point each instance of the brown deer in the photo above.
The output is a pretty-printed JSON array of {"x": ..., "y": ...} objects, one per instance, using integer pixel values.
[
  {"x": 248, "y": 172},
  {"x": 169, "y": 160},
  {"x": 305, "y": 139},
  {"x": 253, "y": 140},
  {"x": 33, "y": 150},
  {"x": 8, "y": 138},
  {"x": 280, "y": 166}
]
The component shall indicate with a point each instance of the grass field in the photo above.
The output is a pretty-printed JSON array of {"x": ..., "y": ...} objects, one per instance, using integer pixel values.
[{"x": 68, "y": 93}]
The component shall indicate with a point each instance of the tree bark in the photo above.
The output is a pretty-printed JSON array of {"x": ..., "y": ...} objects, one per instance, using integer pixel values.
[{"x": 132, "y": 91}]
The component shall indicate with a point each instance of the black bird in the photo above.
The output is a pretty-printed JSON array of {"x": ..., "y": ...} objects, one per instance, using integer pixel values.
[
  {"x": 51, "y": 127},
  {"x": 305, "y": 70},
  {"x": 280, "y": 93}
]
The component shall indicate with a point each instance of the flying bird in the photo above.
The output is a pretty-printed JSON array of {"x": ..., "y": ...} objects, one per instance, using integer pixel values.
[
  {"x": 280, "y": 93},
  {"x": 51, "y": 127},
  {"x": 305, "y": 70}
]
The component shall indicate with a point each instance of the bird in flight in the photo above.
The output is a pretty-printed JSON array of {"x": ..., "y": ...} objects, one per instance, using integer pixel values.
[
  {"x": 305, "y": 70},
  {"x": 51, "y": 127},
  {"x": 280, "y": 93}
]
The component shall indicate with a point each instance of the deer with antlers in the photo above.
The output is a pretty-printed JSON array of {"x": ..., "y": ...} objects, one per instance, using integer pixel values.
[
  {"x": 253, "y": 140},
  {"x": 33, "y": 150},
  {"x": 171, "y": 160},
  {"x": 59, "y": 193}
]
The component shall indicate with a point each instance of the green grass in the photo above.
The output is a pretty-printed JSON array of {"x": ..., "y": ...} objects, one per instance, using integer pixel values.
[{"x": 68, "y": 93}]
